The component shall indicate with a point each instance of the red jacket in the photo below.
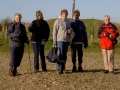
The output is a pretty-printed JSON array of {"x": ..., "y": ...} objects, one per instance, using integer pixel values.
[{"x": 105, "y": 41}]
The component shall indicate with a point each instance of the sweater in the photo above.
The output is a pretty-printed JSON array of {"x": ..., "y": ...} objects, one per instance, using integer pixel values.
[{"x": 60, "y": 30}]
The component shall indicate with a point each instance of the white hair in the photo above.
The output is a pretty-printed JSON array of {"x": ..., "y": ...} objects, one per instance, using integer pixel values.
[
  {"x": 107, "y": 16},
  {"x": 18, "y": 14}
]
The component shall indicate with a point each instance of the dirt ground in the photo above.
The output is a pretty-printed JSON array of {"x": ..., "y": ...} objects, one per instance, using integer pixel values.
[{"x": 91, "y": 79}]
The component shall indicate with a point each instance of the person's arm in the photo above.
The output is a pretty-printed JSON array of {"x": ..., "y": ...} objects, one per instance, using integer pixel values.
[
  {"x": 47, "y": 31},
  {"x": 10, "y": 31},
  {"x": 31, "y": 27},
  {"x": 55, "y": 31},
  {"x": 116, "y": 33},
  {"x": 25, "y": 35},
  {"x": 101, "y": 33},
  {"x": 85, "y": 37}
]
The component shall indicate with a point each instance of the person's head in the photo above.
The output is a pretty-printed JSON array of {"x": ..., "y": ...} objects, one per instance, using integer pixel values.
[
  {"x": 17, "y": 17},
  {"x": 39, "y": 15},
  {"x": 106, "y": 19},
  {"x": 76, "y": 14},
  {"x": 64, "y": 14}
]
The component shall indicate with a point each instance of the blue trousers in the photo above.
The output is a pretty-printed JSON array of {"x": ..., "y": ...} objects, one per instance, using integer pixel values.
[
  {"x": 39, "y": 49},
  {"x": 63, "y": 49}
]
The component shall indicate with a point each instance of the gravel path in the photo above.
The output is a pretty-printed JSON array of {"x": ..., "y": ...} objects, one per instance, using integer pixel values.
[{"x": 91, "y": 79}]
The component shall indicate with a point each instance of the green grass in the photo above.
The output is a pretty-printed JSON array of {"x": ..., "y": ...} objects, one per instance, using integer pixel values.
[{"x": 89, "y": 23}]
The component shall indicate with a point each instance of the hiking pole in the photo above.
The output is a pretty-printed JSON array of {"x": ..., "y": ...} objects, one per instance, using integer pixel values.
[{"x": 29, "y": 58}]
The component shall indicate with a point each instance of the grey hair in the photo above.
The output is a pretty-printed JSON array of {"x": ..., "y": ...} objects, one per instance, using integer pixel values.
[
  {"x": 107, "y": 16},
  {"x": 18, "y": 14}
]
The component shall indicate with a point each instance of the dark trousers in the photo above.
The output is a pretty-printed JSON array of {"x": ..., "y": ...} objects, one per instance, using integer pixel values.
[
  {"x": 16, "y": 54},
  {"x": 39, "y": 49},
  {"x": 63, "y": 57},
  {"x": 76, "y": 48}
]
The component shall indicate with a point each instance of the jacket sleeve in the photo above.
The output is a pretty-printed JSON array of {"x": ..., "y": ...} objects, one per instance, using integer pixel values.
[
  {"x": 31, "y": 27},
  {"x": 10, "y": 31},
  {"x": 85, "y": 37},
  {"x": 116, "y": 33},
  {"x": 47, "y": 31},
  {"x": 55, "y": 30},
  {"x": 25, "y": 34},
  {"x": 100, "y": 32}
]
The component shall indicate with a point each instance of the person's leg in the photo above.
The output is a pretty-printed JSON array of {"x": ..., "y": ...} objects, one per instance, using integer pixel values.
[
  {"x": 111, "y": 60},
  {"x": 105, "y": 57},
  {"x": 36, "y": 56},
  {"x": 19, "y": 55},
  {"x": 65, "y": 50},
  {"x": 12, "y": 60},
  {"x": 80, "y": 55},
  {"x": 42, "y": 58},
  {"x": 73, "y": 56},
  {"x": 59, "y": 64}
]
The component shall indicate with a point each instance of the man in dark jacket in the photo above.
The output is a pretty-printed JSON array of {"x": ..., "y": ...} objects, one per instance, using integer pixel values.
[
  {"x": 40, "y": 34},
  {"x": 79, "y": 39},
  {"x": 17, "y": 34}
]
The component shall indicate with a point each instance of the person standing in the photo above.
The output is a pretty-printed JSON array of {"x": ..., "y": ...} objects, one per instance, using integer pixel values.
[
  {"x": 80, "y": 38},
  {"x": 108, "y": 33},
  {"x": 17, "y": 34},
  {"x": 60, "y": 38},
  {"x": 40, "y": 34}
]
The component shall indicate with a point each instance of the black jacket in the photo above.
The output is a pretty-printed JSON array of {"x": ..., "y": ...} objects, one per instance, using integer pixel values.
[
  {"x": 40, "y": 30},
  {"x": 18, "y": 31}
]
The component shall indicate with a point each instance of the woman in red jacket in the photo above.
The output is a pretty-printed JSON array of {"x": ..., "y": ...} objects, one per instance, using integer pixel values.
[{"x": 108, "y": 33}]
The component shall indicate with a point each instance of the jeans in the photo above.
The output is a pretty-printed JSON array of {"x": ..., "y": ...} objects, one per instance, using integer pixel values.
[
  {"x": 77, "y": 47},
  {"x": 63, "y": 57},
  {"x": 39, "y": 49},
  {"x": 16, "y": 54}
]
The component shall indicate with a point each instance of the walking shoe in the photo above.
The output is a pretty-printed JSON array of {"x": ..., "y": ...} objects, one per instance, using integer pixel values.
[
  {"x": 111, "y": 72},
  {"x": 16, "y": 73},
  {"x": 106, "y": 71},
  {"x": 80, "y": 69},
  {"x": 61, "y": 72},
  {"x": 74, "y": 69},
  {"x": 11, "y": 72},
  {"x": 45, "y": 70},
  {"x": 35, "y": 71}
]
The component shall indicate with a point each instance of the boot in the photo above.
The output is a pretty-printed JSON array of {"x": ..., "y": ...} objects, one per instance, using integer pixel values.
[
  {"x": 11, "y": 72},
  {"x": 80, "y": 69},
  {"x": 74, "y": 69},
  {"x": 16, "y": 73}
]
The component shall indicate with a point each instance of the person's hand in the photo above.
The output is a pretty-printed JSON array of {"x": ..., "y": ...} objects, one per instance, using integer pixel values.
[
  {"x": 106, "y": 34},
  {"x": 69, "y": 31},
  {"x": 110, "y": 36},
  {"x": 85, "y": 46},
  {"x": 43, "y": 41},
  {"x": 27, "y": 41},
  {"x": 54, "y": 43}
]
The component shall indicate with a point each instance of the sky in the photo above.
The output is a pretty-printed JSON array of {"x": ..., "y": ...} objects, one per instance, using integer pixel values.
[{"x": 52, "y": 8}]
